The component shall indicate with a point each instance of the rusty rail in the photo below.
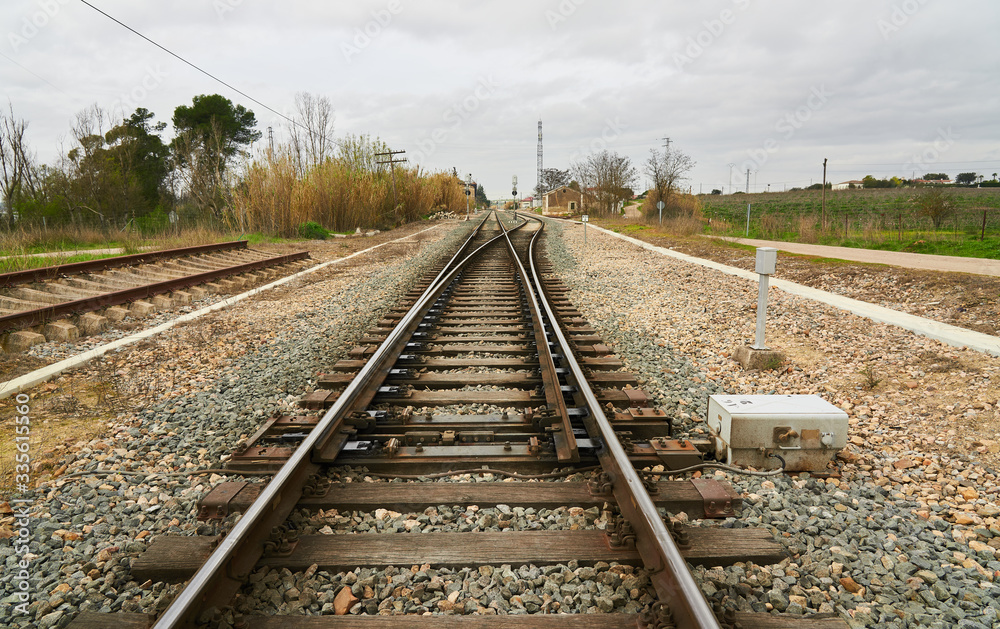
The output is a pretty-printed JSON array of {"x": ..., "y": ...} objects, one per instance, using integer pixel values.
[
  {"x": 219, "y": 578},
  {"x": 668, "y": 570},
  {"x": 38, "y": 316},
  {"x": 90, "y": 266}
]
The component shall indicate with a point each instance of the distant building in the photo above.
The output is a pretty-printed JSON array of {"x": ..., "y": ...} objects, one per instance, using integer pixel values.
[
  {"x": 932, "y": 182},
  {"x": 562, "y": 201},
  {"x": 845, "y": 185}
]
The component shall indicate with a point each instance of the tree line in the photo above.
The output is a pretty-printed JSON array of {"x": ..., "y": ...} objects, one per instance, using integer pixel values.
[{"x": 121, "y": 172}]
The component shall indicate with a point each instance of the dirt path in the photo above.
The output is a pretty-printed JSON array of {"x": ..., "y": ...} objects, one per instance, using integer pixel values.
[{"x": 922, "y": 261}]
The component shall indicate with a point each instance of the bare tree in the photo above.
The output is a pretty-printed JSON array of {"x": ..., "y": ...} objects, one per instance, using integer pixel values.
[
  {"x": 17, "y": 170},
  {"x": 667, "y": 169},
  {"x": 609, "y": 177},
  {"x": 312, "y": 142}
]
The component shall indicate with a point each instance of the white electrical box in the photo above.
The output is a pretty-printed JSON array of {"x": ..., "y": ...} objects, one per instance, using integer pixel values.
[
  {"x": 767, "y": 260},
  {"x": 804, "y": 430}
]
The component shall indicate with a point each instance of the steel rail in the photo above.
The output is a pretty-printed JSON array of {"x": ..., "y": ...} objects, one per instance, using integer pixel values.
[
  {"x": 75, "y": 268},
  {"x": 670, "y": 575},
  {"x": 391, "y": 348},
  {"x": 29, "y": 318},
  {"x": 565, "y": 440},
  {"x": 282, "y": 489}
]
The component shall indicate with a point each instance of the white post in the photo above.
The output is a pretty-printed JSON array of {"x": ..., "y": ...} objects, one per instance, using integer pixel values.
[
  {"x": 761, "y": 312},
  {"x": 765, "y": 263}
]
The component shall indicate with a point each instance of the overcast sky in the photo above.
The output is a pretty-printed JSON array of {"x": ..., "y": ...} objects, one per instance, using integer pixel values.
[{"x": 877, "y": 87}]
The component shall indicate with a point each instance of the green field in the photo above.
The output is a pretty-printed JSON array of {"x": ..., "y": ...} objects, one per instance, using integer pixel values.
[{"x": 869, "y": 218}]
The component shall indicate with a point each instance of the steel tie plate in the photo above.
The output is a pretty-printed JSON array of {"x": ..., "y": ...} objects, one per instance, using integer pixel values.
[
  {"x": 215, "y": 504},
  {"x": 718, "y": 502}
]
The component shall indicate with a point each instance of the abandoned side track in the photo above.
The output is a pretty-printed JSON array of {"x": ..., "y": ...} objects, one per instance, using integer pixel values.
[
  {"x": 484, "y": 371},
  {"x": 38, "y": 296}
]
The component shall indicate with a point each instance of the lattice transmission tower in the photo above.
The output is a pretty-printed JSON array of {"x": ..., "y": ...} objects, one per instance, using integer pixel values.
[{"x": 541, "y": 187}]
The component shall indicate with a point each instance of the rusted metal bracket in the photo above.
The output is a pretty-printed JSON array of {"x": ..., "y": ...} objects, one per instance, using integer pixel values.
[
  {"x": 601, "y": 486},
  {"x": 657, "y": 616},
  {"x": 623, "y": 535},
  {"x": 215, "y": 504},
  {"x": 676, "y": 454},
  {"x": 678, "y": 532},
  {"x": 636, "y": 398},
  {"x": 316, "y": 486},
  {"x": 534, "y": 447},
  {"x": 476, "y": 436},
  {"x": 718, "y": 501},
  {"x": 726, "y": 616},
  {"x": 421, "y": 437},
  {"x": 281, "y": 543}
]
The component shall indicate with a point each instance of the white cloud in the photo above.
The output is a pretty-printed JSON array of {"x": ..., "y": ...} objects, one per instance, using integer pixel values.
[{"x": 750, "y": 64}]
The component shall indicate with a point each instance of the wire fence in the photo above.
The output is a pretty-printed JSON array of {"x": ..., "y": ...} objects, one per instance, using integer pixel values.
[{"x": 879, "y": 214}]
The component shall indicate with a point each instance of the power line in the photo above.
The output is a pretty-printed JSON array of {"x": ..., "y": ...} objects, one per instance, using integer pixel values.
[
  {"x": 37, "y": 76},
  {"x": 205, "y": 72}
]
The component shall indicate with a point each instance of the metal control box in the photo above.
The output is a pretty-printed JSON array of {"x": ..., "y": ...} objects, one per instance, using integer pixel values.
[{"x": 804, "y": 430}]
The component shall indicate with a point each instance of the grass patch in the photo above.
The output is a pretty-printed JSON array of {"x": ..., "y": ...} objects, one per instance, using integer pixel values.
[
  {"x": 9, "y": 265},
  {"x": 635, "y": 228}
]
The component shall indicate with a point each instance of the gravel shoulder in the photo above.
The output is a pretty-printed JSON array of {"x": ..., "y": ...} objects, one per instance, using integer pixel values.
[
  {"x": 962, "y": 299},
  {"x": 908, "y": 535}
]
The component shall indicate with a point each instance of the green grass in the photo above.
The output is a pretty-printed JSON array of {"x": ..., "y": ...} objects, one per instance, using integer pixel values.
[
  {"x": 966, "y": 248},
  {"x": 635, "y": 228},
  {"x": 257, "y": 238},
  {"x": 9, "y": 265},
  {"x": 64, "y": 244},
  {"x": 882, "y": 219}
]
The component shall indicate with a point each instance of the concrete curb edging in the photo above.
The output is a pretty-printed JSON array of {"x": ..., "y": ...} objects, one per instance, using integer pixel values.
[
  {"x": 949, "y": 334},
  {"x": 21, "y": 383}
]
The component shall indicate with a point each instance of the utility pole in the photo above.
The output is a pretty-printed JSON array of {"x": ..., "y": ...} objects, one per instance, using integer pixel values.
[
  {"x": 666, "y": 145},
  {"x": 270, "y": 138},
  {"x": 392, "y": 161},
  {"x": 748, "y": 181},
  {"x": 822, "y": 213}
]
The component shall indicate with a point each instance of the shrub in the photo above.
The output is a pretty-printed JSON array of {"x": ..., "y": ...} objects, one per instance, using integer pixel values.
[{"x": 311, "y": 230}]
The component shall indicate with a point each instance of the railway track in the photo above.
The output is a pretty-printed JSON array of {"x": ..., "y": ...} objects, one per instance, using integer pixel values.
[
  {"x": 484, "y": 372},
  {"x": 60, "y": 301}
]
